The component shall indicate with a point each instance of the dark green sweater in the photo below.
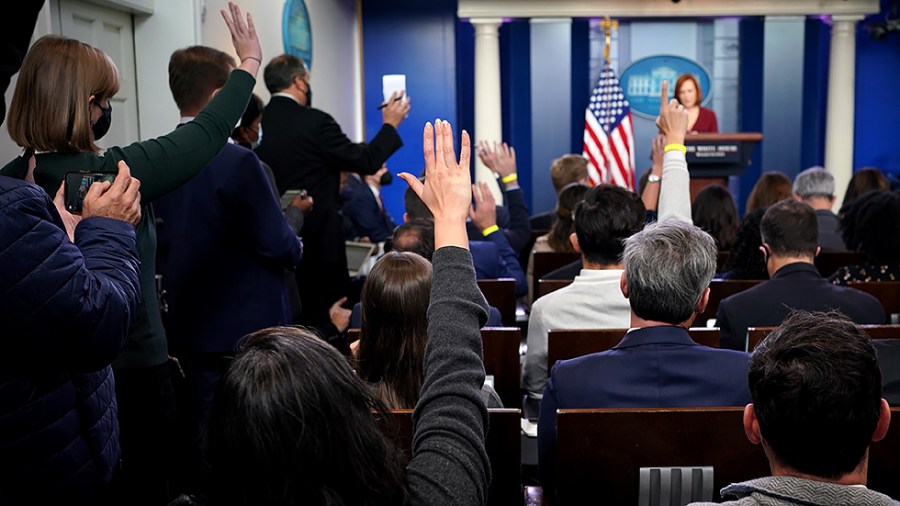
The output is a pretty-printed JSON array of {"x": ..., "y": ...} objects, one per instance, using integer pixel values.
[{"x": 162, "y": 165}]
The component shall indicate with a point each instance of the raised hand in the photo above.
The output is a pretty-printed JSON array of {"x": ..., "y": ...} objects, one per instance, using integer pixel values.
[
  {"x": 120, "y": 200},
  {"x": 447, "y": 190},
  {"x": 244, "y": 39},
  {"x": 484, "y": 210},
  {"x": 396, "y": 109},
  {"x": 501, "y": 159},
  {"x": 673, "y": 118}
]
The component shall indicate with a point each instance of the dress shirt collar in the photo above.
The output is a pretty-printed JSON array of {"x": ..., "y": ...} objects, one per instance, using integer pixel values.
[
  {"x": 288, "y": 95},
  {"x": 662, "y": 334},
  {"x": 797, "y": 268}
]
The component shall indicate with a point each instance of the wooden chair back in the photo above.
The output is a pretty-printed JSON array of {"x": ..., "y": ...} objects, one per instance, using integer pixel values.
[
  {"x": 503, "y": 444},
  {"x": 829, "y": 261},
  {"x": 526, "y": 250},
  {"x": 548, "y": 261},
  {"x": 887, "y": 292},
  {"x": 501, "y": 293},
  {"x": 546, "y": 286},
  {"x": 571, "y": 343},
  {"x": 501, "y": 360},
  {"x": 718, "y": 290},
  {"x": 756, "y": 335},
  {"x": 603, "y": 449}
]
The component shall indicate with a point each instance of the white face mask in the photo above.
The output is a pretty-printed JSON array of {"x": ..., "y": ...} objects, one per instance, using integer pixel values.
[{"x": 258, "y": 138}]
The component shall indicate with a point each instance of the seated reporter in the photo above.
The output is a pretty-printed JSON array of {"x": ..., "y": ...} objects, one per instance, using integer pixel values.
[{"x": 293, "y": 424}]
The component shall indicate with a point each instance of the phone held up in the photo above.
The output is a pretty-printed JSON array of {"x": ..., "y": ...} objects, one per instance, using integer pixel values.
[{"x": 77, "y": 185}]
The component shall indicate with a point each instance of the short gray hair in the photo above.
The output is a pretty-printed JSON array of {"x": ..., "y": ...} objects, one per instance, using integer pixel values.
[
  {"x": 814, "y": 182},
  {"x": 668, "y": 265}
]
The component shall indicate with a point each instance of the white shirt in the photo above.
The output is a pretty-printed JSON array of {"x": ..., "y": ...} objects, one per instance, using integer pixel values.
[{"x": 593, "y": 301}]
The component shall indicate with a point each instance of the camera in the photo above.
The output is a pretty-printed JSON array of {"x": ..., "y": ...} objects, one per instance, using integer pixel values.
[{"x": 77, "y": 185}]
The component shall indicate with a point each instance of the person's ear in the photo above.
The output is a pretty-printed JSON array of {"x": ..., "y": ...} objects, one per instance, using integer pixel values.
[
  {"x": 623, "y": 285},
  {"x": 751, "y": 425},
  {"x": 703, "y": 302},
  {"x": 573, "y": 238},
  {"x": 884, "y": 421},
  {"x": 818, "y": 250},
  {"x": 405, "y": 218}
]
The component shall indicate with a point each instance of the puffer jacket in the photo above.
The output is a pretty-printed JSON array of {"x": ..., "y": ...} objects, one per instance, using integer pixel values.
[{"x": 65, "y": 311}]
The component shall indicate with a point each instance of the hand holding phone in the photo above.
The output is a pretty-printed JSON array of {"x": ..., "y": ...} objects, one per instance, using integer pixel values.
[
  {"x": 77, "y": 185},
  {"x": 120, "y": 200}
]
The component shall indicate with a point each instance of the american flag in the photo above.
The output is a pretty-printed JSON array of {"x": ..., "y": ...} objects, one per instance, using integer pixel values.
[{"x": 608, "y": 133}]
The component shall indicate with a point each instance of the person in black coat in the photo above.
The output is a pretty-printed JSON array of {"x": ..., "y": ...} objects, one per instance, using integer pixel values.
[
  {"x": 306, "y": 149},
  {"x": 790, "y": 237}
]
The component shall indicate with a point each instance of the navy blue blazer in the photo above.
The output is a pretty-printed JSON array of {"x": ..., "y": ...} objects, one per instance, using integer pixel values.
[
  {"x": 494, "y": 258},
  {"x": 224, "y": 250},
  {"x": 795, "y": 286},
  {"x": 652, "y": 367},
  {"x": 363, "y": 217}
]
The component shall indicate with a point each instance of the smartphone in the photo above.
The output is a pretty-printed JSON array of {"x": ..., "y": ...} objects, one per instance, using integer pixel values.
[
  {"x": 77, "y": 184},
  {"x": 288, "y": 197}
]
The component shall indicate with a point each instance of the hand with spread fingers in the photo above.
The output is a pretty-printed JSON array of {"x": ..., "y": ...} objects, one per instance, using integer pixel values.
[
  {"x": 244, "y": 38},
  {"x": 673, "y": 117},
  {"x": 501, "y": 159},
  {"x": 447, "y": 189}
]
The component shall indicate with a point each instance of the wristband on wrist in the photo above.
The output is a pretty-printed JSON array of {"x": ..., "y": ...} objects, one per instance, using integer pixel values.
[
  {"x": 674, "y": 147},
  {"x": 510, "y": 178},
  {"x": 490, "y": 230},
  {"x": 251, "y": 58}
]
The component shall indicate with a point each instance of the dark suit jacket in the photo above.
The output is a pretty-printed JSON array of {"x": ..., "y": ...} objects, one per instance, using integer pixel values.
[
  {"x": 307, "y": 150},
  {"x": 363, "y": 217},
  {"x": 512, "y": 218},
  {"x": 830, "y": 238},
  {"x": 794, "y": 286},
  {"x": 494, "y": 258},
  {"x": 650, "y": 368},
  {"x": 224, "y": 249}
]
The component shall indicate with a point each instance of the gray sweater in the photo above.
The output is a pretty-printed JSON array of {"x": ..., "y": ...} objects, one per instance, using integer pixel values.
[
  {"x": 788, "y": 491},
  {"x": 450, "y": 464}
]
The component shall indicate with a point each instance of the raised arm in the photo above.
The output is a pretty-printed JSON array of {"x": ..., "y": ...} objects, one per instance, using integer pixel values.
[
  {"x": 675, "y": 191},
  {"x": 450, "y": 463}
]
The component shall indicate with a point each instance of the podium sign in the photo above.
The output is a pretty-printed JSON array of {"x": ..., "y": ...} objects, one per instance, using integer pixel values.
[{"x": 719, "y": 155}]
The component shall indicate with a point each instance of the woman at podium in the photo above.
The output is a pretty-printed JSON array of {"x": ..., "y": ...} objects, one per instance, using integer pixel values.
[{"x": 689, "y": 94}]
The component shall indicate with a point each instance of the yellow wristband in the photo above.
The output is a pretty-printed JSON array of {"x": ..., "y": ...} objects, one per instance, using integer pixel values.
[
  {"x": 490, "y": 230},
  {"x": 510, "y": 178},
  {"x": 674, "y": 147}
]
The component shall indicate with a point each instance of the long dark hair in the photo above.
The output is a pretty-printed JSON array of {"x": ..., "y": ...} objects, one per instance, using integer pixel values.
[
  {"x": 292, "y": 424},
  {"x": 715, "y": 213},
  {"x": 771, "y": 187},
  {"x": 746, "y": 260},
  {"x": 393, "y": 334},
  {"x": 569, "y": 197}
]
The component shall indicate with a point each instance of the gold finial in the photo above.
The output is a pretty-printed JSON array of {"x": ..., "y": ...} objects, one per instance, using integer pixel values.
[{"x": 608, "y": 25}]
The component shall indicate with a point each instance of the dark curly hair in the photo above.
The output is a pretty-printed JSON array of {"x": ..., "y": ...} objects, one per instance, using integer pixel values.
[
  {"x": 871, "y": 224},
  {"x": 746, "y": 261},
  {"x": 714, "y": 211}
]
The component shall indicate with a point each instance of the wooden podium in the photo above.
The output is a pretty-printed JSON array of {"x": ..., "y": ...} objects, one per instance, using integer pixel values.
[{"x": 711, "y": 158}]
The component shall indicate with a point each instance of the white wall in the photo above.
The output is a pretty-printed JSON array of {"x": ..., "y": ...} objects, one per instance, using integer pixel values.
[
  {"x": 336, "y": 76},
  {"x": 336, "y": 69}
]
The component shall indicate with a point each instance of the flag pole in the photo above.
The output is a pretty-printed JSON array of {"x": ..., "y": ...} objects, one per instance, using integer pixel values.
[{"x": 608, "y": 25}]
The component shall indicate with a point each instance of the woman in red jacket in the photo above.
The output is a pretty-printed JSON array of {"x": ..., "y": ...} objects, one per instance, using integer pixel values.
[{"x": 689, "y": 94}]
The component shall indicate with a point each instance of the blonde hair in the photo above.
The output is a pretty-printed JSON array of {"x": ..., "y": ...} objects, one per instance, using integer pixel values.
[{"x": 50, "y": 108}]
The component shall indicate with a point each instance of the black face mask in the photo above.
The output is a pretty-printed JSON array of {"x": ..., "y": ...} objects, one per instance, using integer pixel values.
[
  {"x": 103, "y": 122},
  {"x": 386, "y": 179},
  {"x": 308, "y": 95}
]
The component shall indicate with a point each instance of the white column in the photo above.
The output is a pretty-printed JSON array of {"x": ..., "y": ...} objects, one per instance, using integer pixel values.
[
  {"x": 488, "y": 125},
  {"x": 841, "y": 101}
]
